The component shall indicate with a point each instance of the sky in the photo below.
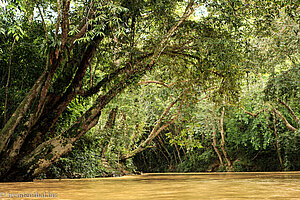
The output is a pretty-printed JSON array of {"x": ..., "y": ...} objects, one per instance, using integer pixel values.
[
  {"x": 199, "y": 12},
  {"x": 3, "y": 3}
]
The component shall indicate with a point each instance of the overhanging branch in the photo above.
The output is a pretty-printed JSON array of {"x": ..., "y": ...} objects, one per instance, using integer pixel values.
[
  {"x": 289, "y": 109},
  {"x": 252, "y": 114},
  {"x": 287, "y": 124}
]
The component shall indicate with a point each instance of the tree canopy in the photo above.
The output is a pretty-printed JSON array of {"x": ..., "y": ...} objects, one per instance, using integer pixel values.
[{"x": 148, "y": 67}]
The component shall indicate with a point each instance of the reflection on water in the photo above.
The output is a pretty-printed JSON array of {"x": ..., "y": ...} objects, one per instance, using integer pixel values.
[{"x": 281, "y": 185}]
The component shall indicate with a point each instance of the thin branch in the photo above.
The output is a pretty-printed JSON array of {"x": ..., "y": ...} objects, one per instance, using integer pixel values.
[
  {"x": 162, "y": 45},
  {"x": 156, "y": 131},
  {"x": 289, "y": 109},
  {"x": 162, "y": 83},
  {"x": 172, "y": 52},
  {"x": 83, "y": 25},
  {"x": 7, "y": 82},
  {"x": 252, "y": 114},
  {"x": 58, "y": 18},
  {"x": 110, "y": 77},
  {"x": 214, "y": 144},
  {"x": 156, "y": 82},
  {"x": 65, "y": 22},
  {"x": 276, "y": 139},
  {"x": 287, "y": 124},
  {"x": 43, "y": 21},
  {"x": 223, "y": 138}
]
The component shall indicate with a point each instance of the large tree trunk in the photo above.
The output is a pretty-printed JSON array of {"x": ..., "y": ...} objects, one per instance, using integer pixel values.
[
  {"x": 20, "y": 112},
  {"x": 35, "y": 158},
  {"x": 15, "y": 146},
  {"x": 25, "y": 152}
]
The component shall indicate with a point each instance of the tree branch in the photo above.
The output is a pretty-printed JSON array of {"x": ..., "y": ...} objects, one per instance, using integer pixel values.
[
  {"x": 20, "y": 112},
  {"x": 162, "y": 45},
  {"x": 65, "y": 22},
  {"x": 156, "y": 130},
  {"x": 112, "y": 76},
  {"x": 161, "y": 83},
  {"x": 287, "y": 124},
  {"x": 172, "y": 52},
  {"x": 223, "y": 138},
  {"x": 214, "y": 144},
  {"x": 58, "y": 18},
  {"x": 156, "y": 82},
  {"x": 276, "y": 139},
  {"x": 252, "y": 114},
  {"x": 83, "y": 25},
  {"x": 43, "y": 21},
  {"x": 8, "y": 80},
  {"x": 289, "y": 109}
]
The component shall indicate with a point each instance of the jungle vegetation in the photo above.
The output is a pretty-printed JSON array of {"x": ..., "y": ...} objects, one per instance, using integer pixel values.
[{"x": 95, "y": 88}]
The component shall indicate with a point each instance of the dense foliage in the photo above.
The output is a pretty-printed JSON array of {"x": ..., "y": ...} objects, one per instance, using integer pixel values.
[{"x": 101, "y": 88}]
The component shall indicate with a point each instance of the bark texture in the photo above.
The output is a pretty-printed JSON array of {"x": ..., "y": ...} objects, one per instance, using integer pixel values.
[{"x": 25, "y": 152}]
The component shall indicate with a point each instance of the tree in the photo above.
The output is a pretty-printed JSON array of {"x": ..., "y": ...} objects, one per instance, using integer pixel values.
[
  {"x": 91, "y": 51},
  {"x": 25, "y": 148}
]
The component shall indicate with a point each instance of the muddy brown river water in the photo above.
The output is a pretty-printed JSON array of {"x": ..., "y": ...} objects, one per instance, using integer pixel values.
[{"x": 171, "y": 186}]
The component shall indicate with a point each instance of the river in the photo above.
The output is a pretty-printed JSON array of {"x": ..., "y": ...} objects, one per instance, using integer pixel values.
[{"x": 171, "y": 186}]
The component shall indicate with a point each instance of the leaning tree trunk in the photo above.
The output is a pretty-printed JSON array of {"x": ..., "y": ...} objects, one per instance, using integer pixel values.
[
  {"x": 25, "y": 152},
  {"x": 28, "y": 161}
]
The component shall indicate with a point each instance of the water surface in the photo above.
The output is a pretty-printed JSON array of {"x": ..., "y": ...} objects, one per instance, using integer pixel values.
[{"x": 175, "y": 186}]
